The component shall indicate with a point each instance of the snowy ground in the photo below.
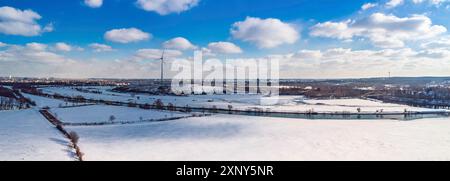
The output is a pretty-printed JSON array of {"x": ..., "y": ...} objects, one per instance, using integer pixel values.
[
  {"x": 43, "y": 101},
  {"x": 102, "y": 113},
  {"x": 225, "y": 137},
  {"x": 26, "y": 135},
  {"x": 244, "y": 102}
]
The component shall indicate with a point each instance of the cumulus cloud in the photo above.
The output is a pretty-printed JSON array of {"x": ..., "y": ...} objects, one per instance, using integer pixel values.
[
  {"x": 343, "y": 62},
  {"x": 165, "y": 7},
  {"x": 93, "y": 3},
  {"x": 308, "y": 54},
  {"x": 368, "y": 6},
  {"x": 31, "y": 53},
  {"x": 63, "y": 47},
  {"x": 153, "y": 54},
  {"x": 33, "y": 60},
  {"x": 223, "y": 48},
  {"x": 21, "y": 22},
  {"x": 327, "y": 63},
  {"x": 265, "y": 33},
  {"x": 439, "y": 43},
  {"x": 36, "y": 46},
  {"x": 394, "y": 3},
  {"x": 179, "y": 43},
  {"x": 97, "y": 47},
  {"x": 208, "y": 52},
  {"x": 433, "y": 2},
  {"x": 126, "y": 35},
  {"x": 434, "y": 53},
  {"x": 386, "y": 31}
]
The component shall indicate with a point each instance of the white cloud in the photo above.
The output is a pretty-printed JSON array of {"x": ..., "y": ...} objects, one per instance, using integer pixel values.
[
  {"x": 368, "y": 6},
  {"x": 386, "y": 31},
  {"x": 179, "y": 43},
  {"x": 20, "y": 60},
  {"x": 100, "y": 47},
  {"x": 308, "y": 54},
  {"x": 338, "y": 30},
  {"x": 265, "y": 33},
  {"x": 208, "y": 53},
  {"x": 434, "y": 53},
  {"x": 433, "y": 2},
  {"x": 127, "y": 35},
  {"x": 61, "y": 46},
  {"x": 164, "y": 7},
  {"x": 394, "y": 3},
  {"x": 21, "y": 22},
  {"x": 343, "y": 63},
  {"x": 48, "y": 28},
  {"x": 224, "y": 48},
  {"x": 440, "y": 43},
  {"x": 36, "y": 46},
  {"x": 93, "y": 3},
  {"x": 31, "y": 53},
  {"x": 153, "y": 54},
  {"x": 328, "y": 63}
]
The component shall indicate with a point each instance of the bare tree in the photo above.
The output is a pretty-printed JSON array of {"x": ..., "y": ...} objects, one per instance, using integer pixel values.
[
  {"x": 159, "y": 104},
  {"x": 112, "y": 118},
  {"x": 170, "y": 107},
  {"x": 74, "y": 137}
]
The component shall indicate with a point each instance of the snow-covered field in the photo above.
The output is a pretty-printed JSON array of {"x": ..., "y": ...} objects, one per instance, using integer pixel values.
[
  {"x": 26, "y": 135},
  {"x": 225, "y": 137},
  {"x": 102, "y": 113},
  {"x": 43, "y": 101},
  {"x": 244, "y": 102}
]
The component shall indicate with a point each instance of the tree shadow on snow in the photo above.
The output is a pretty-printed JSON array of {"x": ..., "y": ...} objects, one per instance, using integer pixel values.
[
  {"x": 68, "y": 149},
  {"x": 60, "y": 141}
]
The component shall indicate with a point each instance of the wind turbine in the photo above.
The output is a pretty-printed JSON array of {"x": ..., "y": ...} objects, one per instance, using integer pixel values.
[{"x": 162, "y": 67}]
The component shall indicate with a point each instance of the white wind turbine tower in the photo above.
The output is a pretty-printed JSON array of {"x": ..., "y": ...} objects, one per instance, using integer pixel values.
[{"x": 162, "y": 68}]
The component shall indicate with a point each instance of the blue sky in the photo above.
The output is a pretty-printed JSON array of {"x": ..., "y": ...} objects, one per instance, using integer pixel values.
[
  {"x": 299, "y": 29},
  {"x": 209, "y": 21}
]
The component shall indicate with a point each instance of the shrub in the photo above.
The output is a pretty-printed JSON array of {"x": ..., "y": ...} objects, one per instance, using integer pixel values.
[
  {"x": 159, "y": 104},
  {"x": 171, "y": 107},
  {"x": 188, "y": 109},
  {"x": 230, "y": 107},
  {"x": 112, "y": 118},
  {"x": 214, "y": 109}
]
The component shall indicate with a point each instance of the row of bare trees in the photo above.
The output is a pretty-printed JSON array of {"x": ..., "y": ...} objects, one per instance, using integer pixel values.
[{"x": 7, "y": 103}]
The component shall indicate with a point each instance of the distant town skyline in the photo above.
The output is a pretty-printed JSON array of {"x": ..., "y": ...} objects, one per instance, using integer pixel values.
[{"x": 312, "y": 38}]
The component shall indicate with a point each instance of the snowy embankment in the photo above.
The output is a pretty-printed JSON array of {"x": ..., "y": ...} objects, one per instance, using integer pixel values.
[
  {"x": 296, "y": 104},
  {"x": 226, "y": 137},
  {"x": 103, "y": 114},
  {"x": 26, "y": 135}
]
